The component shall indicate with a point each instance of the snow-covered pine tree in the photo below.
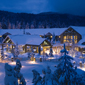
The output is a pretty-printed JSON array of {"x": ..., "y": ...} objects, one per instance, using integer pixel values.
[
  {"x": 18, "y": 74},
  {"x": 10, "y": 79},
  {"x": 48, "y": 77},
  {"x": 36, "y": 78},
  {"x": 65, "y": 71}
]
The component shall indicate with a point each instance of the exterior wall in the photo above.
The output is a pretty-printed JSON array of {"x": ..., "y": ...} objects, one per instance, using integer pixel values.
[
  {"x": 45, "y": 45},
  {"x": 70, "y": 32}
]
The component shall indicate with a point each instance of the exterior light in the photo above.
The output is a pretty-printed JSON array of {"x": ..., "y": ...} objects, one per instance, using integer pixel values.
[
  {"x": 0, "y": 35},
  {"x": 12, "y": 63},
  {"x": 32, "y": 62},
  {"x": 51, "y": 36}
]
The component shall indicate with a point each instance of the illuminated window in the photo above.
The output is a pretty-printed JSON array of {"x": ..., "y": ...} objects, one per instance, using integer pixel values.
[
  {"x": 45, "y": 43},
  {"x": 76, "y": 48},
  {"x": 75, "y": 37},
  {"x": 7, "y": 40},
  {"x": 75, "y": 41},
  {"x": 64, "y": 41},
  {"x": 64, "y": 37},
  {"x": 0, "y": 35},
  {"x": 59, "y": 36},
  {"x": 67, "y": 40},
  {"x": 71, "y": 37}
]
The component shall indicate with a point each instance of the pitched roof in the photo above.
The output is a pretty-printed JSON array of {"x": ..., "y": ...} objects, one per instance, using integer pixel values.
[
  {"x": 79, "y": 29},
  {"x": 26, "y": 39},
  {"x": 82, "y": 40},
  {"x": 38, "y": 31}
]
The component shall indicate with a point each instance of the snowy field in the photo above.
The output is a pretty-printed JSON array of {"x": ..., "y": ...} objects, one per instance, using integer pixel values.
[
  {"x": 26, "y": 70},
  {"x": 27, "y": 67}
]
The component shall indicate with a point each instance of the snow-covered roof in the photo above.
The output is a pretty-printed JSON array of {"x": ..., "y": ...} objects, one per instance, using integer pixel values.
[
  {"x": 79, "y": 29},
  {"x": 57, "y": 31},
  {"x": 11, "y": 31},
  {"x": 26, "y": 39},
  {"x": 81, "y": 46},
  {"x": 82, "y": 40},
  {"x": 36, "y": 31}
]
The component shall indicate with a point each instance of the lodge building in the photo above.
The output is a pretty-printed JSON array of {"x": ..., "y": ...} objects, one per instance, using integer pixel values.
[{"x": 37, "y": 39}]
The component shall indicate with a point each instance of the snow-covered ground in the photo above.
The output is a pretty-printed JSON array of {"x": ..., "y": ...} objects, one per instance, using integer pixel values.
[
  {"x": 26, "y": 70},
  {"x": 27, "y": 67}
]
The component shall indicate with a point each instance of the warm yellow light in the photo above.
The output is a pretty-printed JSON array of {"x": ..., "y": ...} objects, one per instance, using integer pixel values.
[
  {"x": 32, "y": 62},
  {"x": 54, "y": 52},
  {"x": 81, "y": 68},
  {"x": 51, "y": 58},
  {"x": 47, "y": 51},
  {"x": 75, "y": 41},
  {"x": 0, "y": 35},
  {"x": 64, "y": 37},
  {"x": 59, "y": 36},
  {"x": 40, "y": 36},
  {"x": 12, "y": 63},
  {"x": 71, "y": 37},
  {"x": 50, "y": 36}
]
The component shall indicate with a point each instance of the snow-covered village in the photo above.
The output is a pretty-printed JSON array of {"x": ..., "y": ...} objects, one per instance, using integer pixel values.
[
  {"x": 42, "y": 56},
  {"x": 42, "y": 42}
]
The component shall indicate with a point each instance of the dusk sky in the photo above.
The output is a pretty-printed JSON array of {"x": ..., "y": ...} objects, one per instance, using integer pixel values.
[{"x": 76, "y": 7}]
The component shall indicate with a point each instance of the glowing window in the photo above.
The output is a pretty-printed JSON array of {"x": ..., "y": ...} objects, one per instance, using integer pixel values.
[
  {"x": 64, "y": 41},
  {"x": 64, "y": 37},
  {"x": 75, "y": 37},
  {"x": 45, "y": 43},
  {"x": 75, "y": 41},
  {"x": 76, "y": 48},
  {"x": 71, "y": 37}
]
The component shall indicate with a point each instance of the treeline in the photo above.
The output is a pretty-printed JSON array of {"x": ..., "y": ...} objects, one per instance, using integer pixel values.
[{"x": 10, "y": 20}]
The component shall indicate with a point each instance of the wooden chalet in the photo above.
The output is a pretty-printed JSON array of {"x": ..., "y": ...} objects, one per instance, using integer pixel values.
[
  {"x": 73, "y": 35},
  {"x": 26, "y": 42}
]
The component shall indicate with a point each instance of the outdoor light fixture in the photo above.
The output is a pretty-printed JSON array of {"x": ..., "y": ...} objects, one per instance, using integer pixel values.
[{"x": 50, "y": 36}]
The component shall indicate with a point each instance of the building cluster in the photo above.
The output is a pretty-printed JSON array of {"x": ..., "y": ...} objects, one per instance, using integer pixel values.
[{"x": 41, "y": 40}]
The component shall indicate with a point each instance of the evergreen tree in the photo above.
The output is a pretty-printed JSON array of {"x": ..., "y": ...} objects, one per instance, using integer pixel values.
[
  {"x": 0, "y": 25},
  {"x": 48, "y": 77},
  {"x": 4, "y": 23},
  {"x": 65, "y": 71},
  {"x": 10, "y": 79},
  {"x": 36, "y": 78},
  {"x": 18, "y": 74}
]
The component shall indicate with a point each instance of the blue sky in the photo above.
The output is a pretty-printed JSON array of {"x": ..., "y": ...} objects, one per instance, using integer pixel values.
[{"x": 76, "y": 7}]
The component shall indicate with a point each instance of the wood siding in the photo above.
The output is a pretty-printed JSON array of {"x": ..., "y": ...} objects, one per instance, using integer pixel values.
[{"x": 70, "y": 32}]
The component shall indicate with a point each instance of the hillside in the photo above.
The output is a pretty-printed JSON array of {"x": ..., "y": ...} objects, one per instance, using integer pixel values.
[{"x": 42, "y": 20}]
